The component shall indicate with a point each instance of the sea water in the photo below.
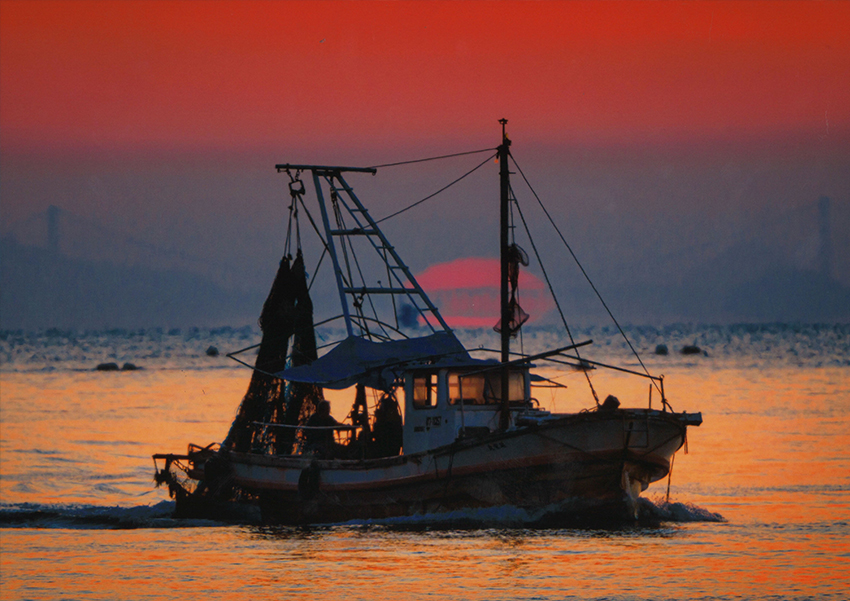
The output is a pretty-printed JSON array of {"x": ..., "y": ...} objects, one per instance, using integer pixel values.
[{"x": 758, "y": 508}]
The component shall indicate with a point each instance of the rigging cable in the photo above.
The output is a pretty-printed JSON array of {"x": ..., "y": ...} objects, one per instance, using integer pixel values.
[
  {"x": 445, "y": 156},
  {"x": 587, "y": 277},
  {"x": 298, "y": 196},
  {"x": 293, "y": 217},
  {"x": 358, "y": 304},
  {"x": 555, "y": 298},
  {"x": 325, "y": 250},
  {"x": 446, "y": 187},
  {"x": 296, "y": 191},
  {"x": 344, "y": 244}
]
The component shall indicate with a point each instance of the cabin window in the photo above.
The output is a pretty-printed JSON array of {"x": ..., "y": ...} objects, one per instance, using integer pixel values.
[
  {"x": 469, "y": 389},
  {"x": 424, "y": 391},
  {"x": 516, "y": 387},
  {"x": 485, "y": 388}
]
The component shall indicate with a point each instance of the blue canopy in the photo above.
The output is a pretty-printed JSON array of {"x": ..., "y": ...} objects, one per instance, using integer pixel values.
[{"x": 359, "y": 360}]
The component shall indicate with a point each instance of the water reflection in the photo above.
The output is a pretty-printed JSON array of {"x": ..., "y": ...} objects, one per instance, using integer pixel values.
[{"x": 81, "y": 518}]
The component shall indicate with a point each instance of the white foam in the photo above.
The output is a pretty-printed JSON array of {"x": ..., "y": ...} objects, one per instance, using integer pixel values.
[
  {"x": 75, "y": 516},
  {"x": 677, "y": 512}
]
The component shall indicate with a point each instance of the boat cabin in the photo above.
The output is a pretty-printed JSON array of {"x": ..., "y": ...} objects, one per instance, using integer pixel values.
[{"x": 449, "y": 402}]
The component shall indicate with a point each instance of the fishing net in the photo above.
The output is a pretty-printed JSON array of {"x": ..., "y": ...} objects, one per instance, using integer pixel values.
[{"x": 270, "y": 401}]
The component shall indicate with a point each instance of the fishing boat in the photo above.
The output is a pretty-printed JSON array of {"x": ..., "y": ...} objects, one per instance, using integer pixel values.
[{"x": 434, "y": 428}]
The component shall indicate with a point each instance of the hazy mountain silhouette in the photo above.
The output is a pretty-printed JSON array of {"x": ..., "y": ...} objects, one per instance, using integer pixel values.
[
  {"x": 83, "y": 275},
  {"x": 41, "y": 289}
]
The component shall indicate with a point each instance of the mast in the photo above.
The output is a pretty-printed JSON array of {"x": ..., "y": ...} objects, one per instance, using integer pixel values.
[{"x": 504, "y": 188}]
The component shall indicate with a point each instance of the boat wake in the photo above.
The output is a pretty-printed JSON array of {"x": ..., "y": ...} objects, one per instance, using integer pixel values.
[
  {"x": 92, "y": 517},
  {"x": 160, "y": 515},
  {"x": 664, "y": 511},
  {"x": 650, "y": 514}
]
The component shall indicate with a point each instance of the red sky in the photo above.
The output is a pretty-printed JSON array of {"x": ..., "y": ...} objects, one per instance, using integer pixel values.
[
  {"x": 79, "y": 76},
  {"x": 163, "y": 119}
]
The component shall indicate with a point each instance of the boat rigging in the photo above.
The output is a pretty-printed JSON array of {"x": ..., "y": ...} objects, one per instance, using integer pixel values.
[{"x": 447, "y": 431}]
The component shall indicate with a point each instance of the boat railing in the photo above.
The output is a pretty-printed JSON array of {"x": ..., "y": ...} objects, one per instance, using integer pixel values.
[
  {"x": 350, "y": 429},
  {"x": 342, "y": 448},
  {"x": 584, "y": 364},
  {"x": 338, "y": 427}
]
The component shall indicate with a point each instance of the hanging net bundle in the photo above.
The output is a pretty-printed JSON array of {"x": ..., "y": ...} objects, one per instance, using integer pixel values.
[{"x": 287, "y": 314}]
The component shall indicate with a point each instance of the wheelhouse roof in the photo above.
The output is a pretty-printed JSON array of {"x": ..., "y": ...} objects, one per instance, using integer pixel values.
[{"x": 377, "y": 364}]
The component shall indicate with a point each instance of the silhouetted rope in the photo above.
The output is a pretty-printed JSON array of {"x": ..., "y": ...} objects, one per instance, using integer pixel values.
[
  {"x": 554, "y": 297},
  {"x": 584, "y": 273},
  {"x": 443, "y": 189},
  {"x": 445, "y": 156}
]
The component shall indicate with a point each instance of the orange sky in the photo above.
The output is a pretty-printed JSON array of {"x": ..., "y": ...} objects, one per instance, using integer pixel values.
[{"x": 83, "y": 76}]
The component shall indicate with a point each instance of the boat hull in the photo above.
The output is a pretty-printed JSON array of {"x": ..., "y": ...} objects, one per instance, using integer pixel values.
[{"x": 585, "y": 466}]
